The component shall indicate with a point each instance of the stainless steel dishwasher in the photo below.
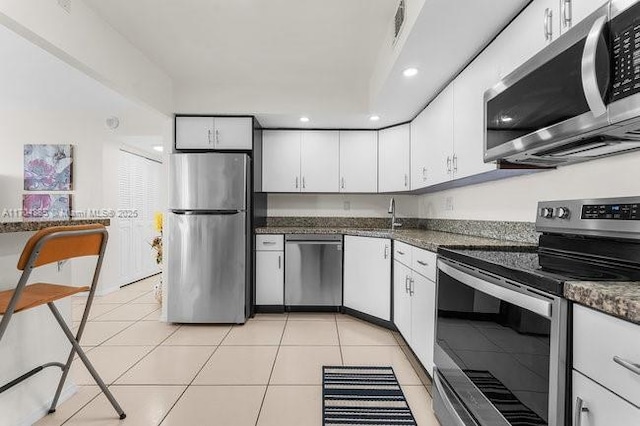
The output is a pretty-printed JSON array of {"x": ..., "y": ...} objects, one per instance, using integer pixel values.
[{"x": 313, "y": 270}]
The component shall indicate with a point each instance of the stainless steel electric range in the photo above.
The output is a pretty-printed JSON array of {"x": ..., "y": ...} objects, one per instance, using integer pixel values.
[{"x": 502, "y": 322}]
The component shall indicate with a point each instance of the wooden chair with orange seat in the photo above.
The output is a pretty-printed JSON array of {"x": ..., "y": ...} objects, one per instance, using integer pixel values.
[{"x": 47, "y": 246}]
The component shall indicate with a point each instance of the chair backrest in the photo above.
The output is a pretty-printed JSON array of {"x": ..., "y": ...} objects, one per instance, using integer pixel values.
[{"x": 59, "y": 243}]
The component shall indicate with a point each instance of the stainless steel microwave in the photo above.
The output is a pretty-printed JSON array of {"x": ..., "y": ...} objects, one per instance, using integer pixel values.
[{"x": 578, "y": 99}]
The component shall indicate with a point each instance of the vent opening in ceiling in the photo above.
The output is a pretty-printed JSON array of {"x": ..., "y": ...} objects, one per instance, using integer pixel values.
[{"x": 399, "y": 20}]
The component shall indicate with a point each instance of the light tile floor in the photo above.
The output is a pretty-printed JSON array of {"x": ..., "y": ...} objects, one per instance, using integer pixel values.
[{"x": 266, "y": 372}]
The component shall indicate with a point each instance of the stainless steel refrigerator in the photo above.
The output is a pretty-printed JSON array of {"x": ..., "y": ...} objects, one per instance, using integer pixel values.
[{"x": 208, "y": 238}]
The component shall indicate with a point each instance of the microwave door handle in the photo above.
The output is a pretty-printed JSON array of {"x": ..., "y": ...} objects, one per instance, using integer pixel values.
[{"x": 589, "y": 76}]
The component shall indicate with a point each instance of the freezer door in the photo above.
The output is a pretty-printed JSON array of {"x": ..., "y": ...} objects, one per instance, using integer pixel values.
[
  {"x": 208, "y": 181},
  {"x": 207, "y": 277}
]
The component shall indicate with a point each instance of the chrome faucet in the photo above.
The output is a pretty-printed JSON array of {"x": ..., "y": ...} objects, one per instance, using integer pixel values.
[{"x": 392, "y": 212}]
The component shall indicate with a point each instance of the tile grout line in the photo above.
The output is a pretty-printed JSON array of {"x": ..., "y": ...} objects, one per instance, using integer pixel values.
[
  {"x": 273, "y": 367},
  {"x": 195, "y": 376},
  {"x": 339, "y": 341}
]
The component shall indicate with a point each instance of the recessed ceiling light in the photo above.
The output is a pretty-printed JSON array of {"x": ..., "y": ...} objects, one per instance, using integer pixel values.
[
  {"x": 506, "y": 119},
  {"x": 304, "y": 119},
  {"x": 158, "y": 148},
  {"x": 374, "y": 117},
  {"x": 410, "y": 72}
]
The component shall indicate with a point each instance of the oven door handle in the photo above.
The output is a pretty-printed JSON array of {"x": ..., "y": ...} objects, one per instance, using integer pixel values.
[
  {"x": 589, "y": 73},
  {"x": 530, "y": 303}
]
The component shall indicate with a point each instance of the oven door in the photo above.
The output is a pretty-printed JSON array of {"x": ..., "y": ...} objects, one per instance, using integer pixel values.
[
  {"x": 558, "y": 94},
  {"x": 500, "y": 351}
]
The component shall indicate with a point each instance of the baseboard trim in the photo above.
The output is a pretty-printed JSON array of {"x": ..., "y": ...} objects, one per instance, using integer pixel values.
[{"x": 43, "y": 411}]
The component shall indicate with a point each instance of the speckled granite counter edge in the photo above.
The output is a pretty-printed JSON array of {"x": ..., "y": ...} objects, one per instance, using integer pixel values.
[
  {"x": 510, "y": 231},
  {"x": 10, "y": 227},
  {"x": 429, "y": 240},
  {"x": 620, "y": 299}
]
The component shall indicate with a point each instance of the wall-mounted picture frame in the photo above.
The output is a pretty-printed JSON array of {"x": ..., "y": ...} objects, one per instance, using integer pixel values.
[
  {"x": 48, "y": 167},
  {"x": 46, "y": 207}
]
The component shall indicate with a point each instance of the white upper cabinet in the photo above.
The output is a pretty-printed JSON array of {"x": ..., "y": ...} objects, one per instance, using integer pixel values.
[
  {"x": 420, "y": 149},
  {"x": 220, "y": 133},
  {"x": 281, "y": 160},
  {"x": 359, "y": 161},
  {"x": 194, "y": 132},
  {"x": 574, "y": 11},
  {"x": 468, "y": 118},
  {"x": 394, "y": 160},
  {"x": 320, "y": 160},
  {"x": 233, "y": 133},
  {"x": 440, "y": 159}
]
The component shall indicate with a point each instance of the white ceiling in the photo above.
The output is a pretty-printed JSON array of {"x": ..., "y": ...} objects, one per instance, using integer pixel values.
[
  {"x": 241, "y": 51},
  {"x": 280, "y": 59}
]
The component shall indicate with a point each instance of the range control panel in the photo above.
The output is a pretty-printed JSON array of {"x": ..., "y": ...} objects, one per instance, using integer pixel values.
[
  {"x": 602, "y": 217},
  {"x": 611, "y": 211}
]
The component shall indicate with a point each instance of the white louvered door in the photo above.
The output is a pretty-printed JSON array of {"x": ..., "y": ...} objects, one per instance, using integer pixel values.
[{"x": 139, "y": 199}]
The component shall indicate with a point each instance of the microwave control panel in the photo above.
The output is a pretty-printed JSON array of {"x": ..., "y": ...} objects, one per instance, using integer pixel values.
[{"x": 625, "y": 37}]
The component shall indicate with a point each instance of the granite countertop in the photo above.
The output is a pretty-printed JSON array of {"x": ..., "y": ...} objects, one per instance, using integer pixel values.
[
  {"x": 620, "y": 299},
  {"x": 31, "y": 226},
  {"x": 429, "y": 240}
]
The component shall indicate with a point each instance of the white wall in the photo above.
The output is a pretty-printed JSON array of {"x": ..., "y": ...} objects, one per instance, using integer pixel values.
[
  {"x": 82, "y": 39},
  {"x": 375, "y": 205},
  {"x": 516, "y": 198}
]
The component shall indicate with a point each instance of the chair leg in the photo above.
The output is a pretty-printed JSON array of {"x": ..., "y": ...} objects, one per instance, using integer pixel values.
[
  {"x": 63, "y": 379},
  {"x": 85, "y": 360}
]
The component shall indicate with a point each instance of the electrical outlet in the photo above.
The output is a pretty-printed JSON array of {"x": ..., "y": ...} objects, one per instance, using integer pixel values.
[
  {"x": 65, "y": 4},
  {"x": 448, "y": 204},
  {"x": 347, "y": 205}
]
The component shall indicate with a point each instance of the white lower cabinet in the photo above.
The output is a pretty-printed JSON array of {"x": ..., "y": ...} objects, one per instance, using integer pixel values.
[
  {"x": 367, "y": 276},
  {"x": 600, "y": 407},
  {"x": 414, "y": 307},
  {"x": 270, "y": 270},
  {"x": 606, "y": 383},
  {"x": 402, "y": 299}
]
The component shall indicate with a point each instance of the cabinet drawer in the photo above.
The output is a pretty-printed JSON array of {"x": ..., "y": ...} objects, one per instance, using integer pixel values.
[
  {"x": 270, "y": 242},
  {"x": 597, "y": 339},
  {"x": 424, "y": 263},
  {"x": 604, "y": 407},
  {"x": 402, "y": 253}
]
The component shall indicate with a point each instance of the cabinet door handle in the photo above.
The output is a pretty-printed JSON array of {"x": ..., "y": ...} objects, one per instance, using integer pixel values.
[
  {"x": 297, "y": 182},
  {"x": 455, "y": 163},
  {"x": 567, "y": 12},
  {"x": 280, "y": 262},
  {"x": 217, "y": 137},
  {"x": 423, "y": 263},
  {"x": 406, "y": 180},
  {"x": 577, "y": 414},
  {"x": 386, "y": 251},
  {"x": 411, "y": 282},
  {"x": 401, "y": 253},
  {"x": 269, "y": 243},
  {"x": 209, "y": 136},
  {"x": 448, "y": 164},
  {"x": 548, "y": 24},
  {"x": 342, "y": 183},
  {"x": 424, "y": 174},
  {"x": 406, "y": 284},
  {"x": 304, "y": 183},
  {"x": 634, "y": 368}
]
